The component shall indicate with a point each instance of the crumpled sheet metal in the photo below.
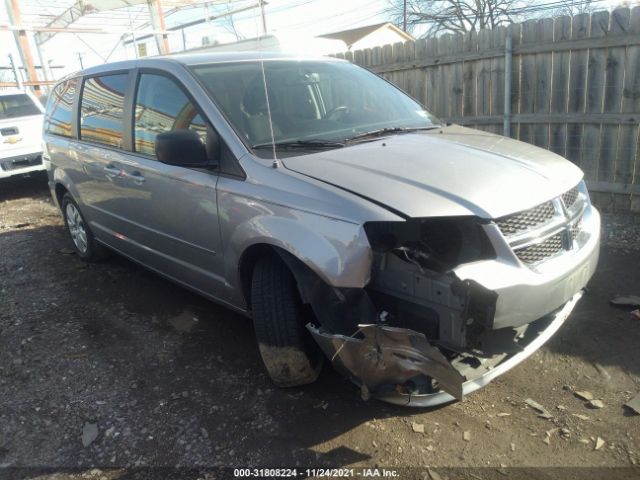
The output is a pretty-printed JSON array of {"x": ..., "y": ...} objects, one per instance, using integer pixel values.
[{"x": 388, "y": 355}]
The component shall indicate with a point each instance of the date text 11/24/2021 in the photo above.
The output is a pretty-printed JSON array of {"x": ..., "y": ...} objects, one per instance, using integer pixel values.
[{"x": 315, "y": 473}]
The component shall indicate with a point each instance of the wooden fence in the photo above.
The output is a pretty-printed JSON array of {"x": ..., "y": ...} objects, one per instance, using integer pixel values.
[{"x": 573, "y": 88}]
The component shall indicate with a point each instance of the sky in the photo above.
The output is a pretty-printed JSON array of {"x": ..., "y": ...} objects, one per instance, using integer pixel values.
[
  {"x": 298, "y": 17},
  {"x": 304, "y": 17}
]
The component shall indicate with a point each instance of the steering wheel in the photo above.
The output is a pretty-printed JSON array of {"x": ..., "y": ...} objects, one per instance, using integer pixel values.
[{"x": 336, "y": 113}]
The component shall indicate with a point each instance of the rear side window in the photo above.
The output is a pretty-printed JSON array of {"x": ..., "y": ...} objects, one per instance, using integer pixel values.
[
  {"x": 17, "y": 105},
  {"x": 58, "y": 119},
  {"x": 102, "y": 109},
  {"x": 161, "y": 106}
]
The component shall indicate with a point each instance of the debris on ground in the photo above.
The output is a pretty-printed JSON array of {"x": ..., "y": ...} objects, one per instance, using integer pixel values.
[
  {"x": 634, "y": 404},
  {"x": 565, "y": 432},
  {"x": 89, "y": 433},
  {"x": 76, "y": 355},
  {"x": 595, "y": 403},
  {"x": 542, "y": 412},
  {"x": 626, "y": 301},
  {"x": 433, "y": 475},
  {"x": 584, "y": 395},
  {"x": 417, "y": 427},
  {"x": 599, "y": 443},
  {"x": 72, "y": 340},
  {"x": 184, "y": 322},
  {"x": 580, "y": 416},
  {"x": 550, "y": 433},
  {"x": 605, "y": 374},
  {"x": 561, "y": 407},
  {"x": 503, "y": 414},
  {"x": 466, "y": 435}
]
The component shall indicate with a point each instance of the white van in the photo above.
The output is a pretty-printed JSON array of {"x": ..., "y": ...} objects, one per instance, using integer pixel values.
[{"x": 21, "y": 116}]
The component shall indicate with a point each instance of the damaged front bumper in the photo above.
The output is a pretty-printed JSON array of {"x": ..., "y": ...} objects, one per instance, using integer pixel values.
[{"x": 399, "y": 365}]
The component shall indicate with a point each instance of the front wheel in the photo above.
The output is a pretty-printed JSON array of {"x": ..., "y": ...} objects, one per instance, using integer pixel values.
[
  {"x": 84, "y": 243},
  {"x": 290, "y": 355}
]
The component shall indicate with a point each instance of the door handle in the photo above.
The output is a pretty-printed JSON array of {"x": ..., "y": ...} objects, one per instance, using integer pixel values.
[
  {"x": 112, "y": 171},
  {"x": 136, "y": 176}
]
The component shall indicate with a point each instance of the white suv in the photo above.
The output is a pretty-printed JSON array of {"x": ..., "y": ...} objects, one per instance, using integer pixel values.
[{"x": 21, "y": 116}]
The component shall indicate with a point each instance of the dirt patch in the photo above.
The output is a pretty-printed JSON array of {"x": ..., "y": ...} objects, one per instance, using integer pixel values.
[{"x": 100, "y": 345}]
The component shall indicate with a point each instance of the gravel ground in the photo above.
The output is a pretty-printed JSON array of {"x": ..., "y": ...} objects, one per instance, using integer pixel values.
[{"x": 108, "y": 366}]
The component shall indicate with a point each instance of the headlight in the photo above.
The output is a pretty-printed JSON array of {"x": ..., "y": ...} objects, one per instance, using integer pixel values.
[{"x": 439, "y": 244}]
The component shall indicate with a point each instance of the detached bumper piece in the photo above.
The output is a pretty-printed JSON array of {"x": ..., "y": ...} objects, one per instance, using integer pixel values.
[
  {"x": 398, "y": 365},
  {"x": 388, "y": 356}
]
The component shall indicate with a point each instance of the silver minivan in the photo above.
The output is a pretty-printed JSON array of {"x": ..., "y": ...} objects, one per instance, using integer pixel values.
[{"x": 421, "y": 259}]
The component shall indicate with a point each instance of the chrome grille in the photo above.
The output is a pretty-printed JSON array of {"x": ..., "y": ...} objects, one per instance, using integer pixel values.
[
  {"x": 523, "y": 227},
  {"x": 570, "y": 197},
  {"x": 541, "y": 251},
  {"x": 526, "y": 220},
  {"x": 576, "y": 228}
]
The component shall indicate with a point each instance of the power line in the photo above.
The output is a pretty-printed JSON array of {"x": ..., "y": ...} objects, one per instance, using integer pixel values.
[{"x": 513, "y": 11}]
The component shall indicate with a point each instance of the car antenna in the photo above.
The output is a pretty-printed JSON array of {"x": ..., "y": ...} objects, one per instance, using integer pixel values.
[{"x": 275, "y": 163}]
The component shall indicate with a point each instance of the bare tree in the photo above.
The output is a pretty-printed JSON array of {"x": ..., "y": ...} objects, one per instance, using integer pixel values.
[
  {"x": 229, "y": 24},
  {"x": 459, "y": 16},
  {"x": 575, "y": 7},
  {"x": 453, "y": 16}
]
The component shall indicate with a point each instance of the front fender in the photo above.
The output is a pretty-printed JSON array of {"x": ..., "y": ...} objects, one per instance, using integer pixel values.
[{"x": 336, "y": 250}]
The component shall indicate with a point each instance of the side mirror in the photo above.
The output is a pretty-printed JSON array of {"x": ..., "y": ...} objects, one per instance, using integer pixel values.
[{"x": 183, "y": 148}]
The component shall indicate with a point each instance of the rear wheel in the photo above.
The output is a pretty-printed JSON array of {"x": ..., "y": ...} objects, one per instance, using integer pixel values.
[
  {"x": 83, "y": 241},
  {"x": 290, "y": 355}
]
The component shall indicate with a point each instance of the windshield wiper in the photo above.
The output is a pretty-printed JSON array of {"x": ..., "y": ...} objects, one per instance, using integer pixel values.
[
  {"x": 388, "y": 130},
  {"x": 312, "y": 144}
]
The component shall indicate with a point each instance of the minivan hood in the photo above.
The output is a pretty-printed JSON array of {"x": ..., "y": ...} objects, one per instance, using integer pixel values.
[{"x": 453, "y": 171}]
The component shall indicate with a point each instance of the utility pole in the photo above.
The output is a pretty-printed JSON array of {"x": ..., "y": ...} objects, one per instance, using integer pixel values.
[
  {"x": 80, "y": 60},
  {"x": 157, "y": 21},
  {"x": 264, "y": 17},
  {"x": 22, "y": 42},
  {"x": 16, "y": 72},
  {"x": 43, "y": 66},
  {"x": 404, "y": 16}
]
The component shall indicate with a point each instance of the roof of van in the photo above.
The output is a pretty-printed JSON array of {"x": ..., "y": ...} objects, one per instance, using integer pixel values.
[{"x": 201, "y": 58}]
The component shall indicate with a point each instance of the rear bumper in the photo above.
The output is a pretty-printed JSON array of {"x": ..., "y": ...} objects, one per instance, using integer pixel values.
[{"x": 21, "y": 164}]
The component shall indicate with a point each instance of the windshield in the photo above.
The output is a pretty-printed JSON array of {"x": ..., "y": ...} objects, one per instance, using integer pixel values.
[
  {"x": 17, "y": 105},
  {"x": 309, "y": 101}
]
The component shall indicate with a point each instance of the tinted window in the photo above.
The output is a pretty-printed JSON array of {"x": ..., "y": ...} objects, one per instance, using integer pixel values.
[
  {"x": 102, "y": 109},
  {"x": 161, "y": 106},
  {"x": 58, "y": 119},
  {"x": 18, "y": 105}
]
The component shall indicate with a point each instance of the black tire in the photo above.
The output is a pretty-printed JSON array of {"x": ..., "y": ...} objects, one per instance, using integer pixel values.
[
  {"x": 288, "y": 351},
  {"x": 93, "y": 252}
]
